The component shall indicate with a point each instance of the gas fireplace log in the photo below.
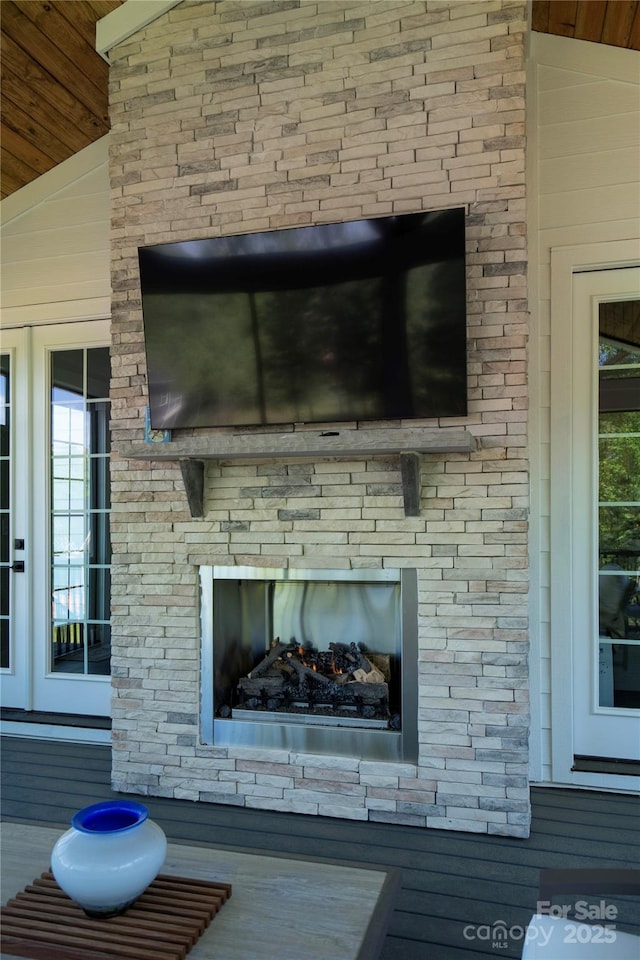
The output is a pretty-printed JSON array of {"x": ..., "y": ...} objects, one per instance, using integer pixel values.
[
  {"x": 255, "y": 694},
  {"x": 353, "y": 654},
  {"x": 303, "y": 671},
  {"x": 349, "y": 652},
  {"x": 282, "y": 666},
  {"x": 340, "y": 648},
  {"x": 272, "y": 685},
  {"x": 277, "y": 649},
  {"x": 373, "y": 676},
  {"x": 372, "y": 693},
  {"x": 381, "y": 662},
  {"x": 342, "y": 678},
  {"x": 362, "y": 663}
]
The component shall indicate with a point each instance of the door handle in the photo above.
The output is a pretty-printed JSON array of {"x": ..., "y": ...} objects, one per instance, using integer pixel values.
[{"x": 18, "y": 566}]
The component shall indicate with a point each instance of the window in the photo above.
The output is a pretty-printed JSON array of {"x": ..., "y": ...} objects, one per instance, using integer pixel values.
[
  {"x": 81, "y": 549},
  {"x": 619, "y": 503}
]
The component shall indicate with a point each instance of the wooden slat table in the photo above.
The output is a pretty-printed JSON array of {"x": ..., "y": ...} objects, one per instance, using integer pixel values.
[{"x": 281, "y": 908}]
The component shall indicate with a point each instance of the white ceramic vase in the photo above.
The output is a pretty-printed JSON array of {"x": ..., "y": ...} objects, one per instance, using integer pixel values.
[{"x": 109, "y": 856}]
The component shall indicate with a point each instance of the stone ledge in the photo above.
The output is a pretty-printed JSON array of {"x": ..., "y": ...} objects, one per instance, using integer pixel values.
[{"x": 306, "y": 443}]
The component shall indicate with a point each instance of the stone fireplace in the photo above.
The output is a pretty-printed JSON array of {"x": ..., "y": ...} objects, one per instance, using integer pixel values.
[
  {"x": 234, "y": 117},
  {"x": 316, "y": 661}
]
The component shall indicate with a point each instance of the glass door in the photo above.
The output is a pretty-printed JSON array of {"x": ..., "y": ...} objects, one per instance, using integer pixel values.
[
  {"x": 15, "y": 539},
  {"x": 619, "y": 504},
  {"x": 64, "y": 628},
  {"x": 606, "y": 515}
]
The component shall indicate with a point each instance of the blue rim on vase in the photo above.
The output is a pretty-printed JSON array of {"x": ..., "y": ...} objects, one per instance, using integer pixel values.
[{"x": 110, "y": 816}]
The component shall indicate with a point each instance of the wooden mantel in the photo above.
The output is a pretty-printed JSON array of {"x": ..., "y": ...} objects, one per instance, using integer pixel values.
[{"x": 405, "y": 442}]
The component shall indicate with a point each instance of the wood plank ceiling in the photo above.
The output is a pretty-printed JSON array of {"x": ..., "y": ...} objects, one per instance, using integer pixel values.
[
  {"x": 616, "y": 22},
  {"x": 54, "y": 84}
]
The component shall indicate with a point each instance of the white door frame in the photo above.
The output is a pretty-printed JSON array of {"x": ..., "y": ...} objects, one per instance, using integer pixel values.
[
  {"x": 15, "y": 682},
  {"x": 31, "y": 686},
  {"x": 566, "y": 262}
]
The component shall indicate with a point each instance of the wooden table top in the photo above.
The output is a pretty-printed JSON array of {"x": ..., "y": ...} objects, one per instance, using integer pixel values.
[{"x": 281, "y": 908}]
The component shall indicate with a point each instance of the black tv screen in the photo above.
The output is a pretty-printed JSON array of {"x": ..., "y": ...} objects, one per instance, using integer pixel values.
[{"x": 356, "y": 321}]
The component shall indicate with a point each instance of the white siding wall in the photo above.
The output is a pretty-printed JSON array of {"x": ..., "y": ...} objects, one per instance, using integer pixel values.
[
  {"x": 584, "y": 189},
  {"x": 55, "y": 243}
]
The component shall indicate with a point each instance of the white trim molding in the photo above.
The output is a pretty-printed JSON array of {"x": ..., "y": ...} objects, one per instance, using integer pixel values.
[
  {"x": 126, "y": 20},
  {"x": 566, "y": 262}
]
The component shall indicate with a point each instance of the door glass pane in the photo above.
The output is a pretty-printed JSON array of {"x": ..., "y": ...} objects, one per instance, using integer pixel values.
[
  {"x": 98, "y": 374},
  {"x": 67, "y": 373},
  {"x": 81, "y": 549},
  {"x": 5, "y": 527},
  {"x": 619, "y": 503}
]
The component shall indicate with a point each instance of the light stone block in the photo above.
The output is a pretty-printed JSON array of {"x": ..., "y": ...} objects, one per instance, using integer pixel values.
[{"x": 372, "y": 131}]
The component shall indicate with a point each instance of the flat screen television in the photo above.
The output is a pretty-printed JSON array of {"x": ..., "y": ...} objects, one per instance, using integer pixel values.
[{"x": 356, "y": 321}]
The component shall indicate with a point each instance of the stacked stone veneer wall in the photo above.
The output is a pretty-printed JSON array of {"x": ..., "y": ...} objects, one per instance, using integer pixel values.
[{"x": 229, "y": 117}]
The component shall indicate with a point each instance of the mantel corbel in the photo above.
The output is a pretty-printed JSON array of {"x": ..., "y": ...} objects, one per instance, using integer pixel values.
[{"x": 193, "y": 479}]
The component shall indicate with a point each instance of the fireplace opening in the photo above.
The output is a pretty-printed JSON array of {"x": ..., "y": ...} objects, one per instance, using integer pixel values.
[{"x": 321, "y": 661}]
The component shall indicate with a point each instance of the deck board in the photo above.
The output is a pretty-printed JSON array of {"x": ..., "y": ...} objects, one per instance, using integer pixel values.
[{"x": 450, "y": 880}]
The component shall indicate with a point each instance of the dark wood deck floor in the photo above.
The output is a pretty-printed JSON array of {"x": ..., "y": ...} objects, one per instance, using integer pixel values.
[{"x": 456, "y": 887}]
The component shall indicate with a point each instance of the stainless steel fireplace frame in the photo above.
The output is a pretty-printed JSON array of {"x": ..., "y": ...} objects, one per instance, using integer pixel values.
[{"x": 315, "y": 738}]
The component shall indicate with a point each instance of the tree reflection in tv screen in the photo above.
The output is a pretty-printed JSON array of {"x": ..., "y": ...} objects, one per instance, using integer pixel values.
[{"x": 385, "y": 346}]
